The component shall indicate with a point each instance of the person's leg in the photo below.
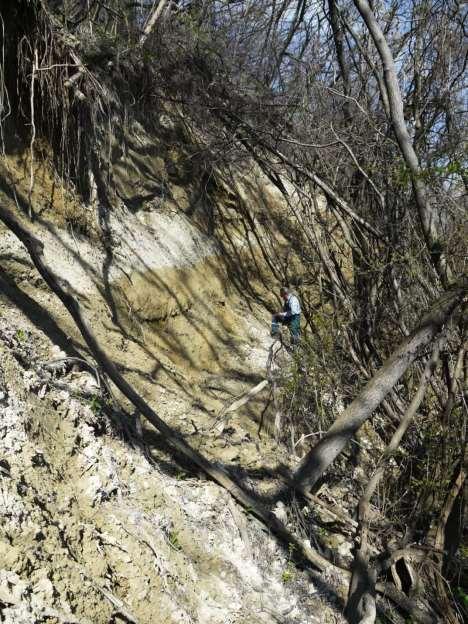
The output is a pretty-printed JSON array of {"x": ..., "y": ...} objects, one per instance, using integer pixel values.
[{"x": 295, "y": 330}]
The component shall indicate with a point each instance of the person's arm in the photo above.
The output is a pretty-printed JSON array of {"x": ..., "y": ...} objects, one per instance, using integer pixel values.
[{"x": 280, "y": 316}]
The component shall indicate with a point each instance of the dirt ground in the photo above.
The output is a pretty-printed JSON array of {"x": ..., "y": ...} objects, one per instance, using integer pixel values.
[
  {"x": 97, "y": 530},
  {"x": 100, "y": 524}
]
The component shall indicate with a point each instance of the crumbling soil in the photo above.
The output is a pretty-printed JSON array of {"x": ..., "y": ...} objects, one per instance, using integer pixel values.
[
  {"x": 94, "y": 528},
  {"x": 100, "y": 523}
]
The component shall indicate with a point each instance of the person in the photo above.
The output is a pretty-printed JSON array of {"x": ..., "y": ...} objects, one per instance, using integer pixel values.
[{"x": 291, "y": 314}]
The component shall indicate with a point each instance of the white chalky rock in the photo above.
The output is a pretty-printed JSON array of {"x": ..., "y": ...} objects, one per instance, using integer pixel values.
[{"x": 12, "y": 588}]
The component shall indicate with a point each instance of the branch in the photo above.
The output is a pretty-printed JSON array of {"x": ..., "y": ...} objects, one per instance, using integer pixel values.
[
  {"x": 118, "y": 604},
  {"x": 361, "y": 170},
  {"x": 33, "y": 132},
  {"x": 362, "y": 587},
  {"x": 241, "y": 400},
  {"x": 427, "y": 213},
  {"x": 151, "y": 21},
  {"x": 339, "y": 202},
  {"x": 377, "y": 76},
  {"x": 399, "y": 598}
]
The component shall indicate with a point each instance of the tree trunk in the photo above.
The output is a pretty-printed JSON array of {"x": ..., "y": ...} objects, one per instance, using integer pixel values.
[
  {"x": 429, "y": 219},
  {"x": 362, "y": 587},
  {"x": 329, "y": 447},
  {"x": 151, "y": 21}
]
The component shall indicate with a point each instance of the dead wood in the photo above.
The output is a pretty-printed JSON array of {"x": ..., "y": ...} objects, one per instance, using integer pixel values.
[
  {"x": 301, "y": 549},
  {"x": 439, "y": 544},
  {"x": 118, "y": 604},
  {"x": 343, "y": 518},
  {"x": 447, "y": 508},
  {"x": 430, "y": 325},
  {"x": 407, "y": 604},
  {"x": 241, "y": 400},
  {"x": 453, "y": 383}
]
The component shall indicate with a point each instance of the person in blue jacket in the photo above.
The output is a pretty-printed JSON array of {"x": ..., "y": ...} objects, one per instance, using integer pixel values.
[{"x": 291, "y": 314}]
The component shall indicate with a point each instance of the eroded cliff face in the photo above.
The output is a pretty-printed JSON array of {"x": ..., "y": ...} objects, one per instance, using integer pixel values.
[
  {"x": 172, "y": 306},
  {"x": 101, "y": 524},
  {"x": 95, "y": 529}
]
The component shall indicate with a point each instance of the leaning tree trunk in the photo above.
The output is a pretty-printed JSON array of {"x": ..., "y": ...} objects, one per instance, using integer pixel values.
[
  {"x": 361, "y": 599},
  {"x": 332, "y": 444},
  {"x": 153, "y": 17}
]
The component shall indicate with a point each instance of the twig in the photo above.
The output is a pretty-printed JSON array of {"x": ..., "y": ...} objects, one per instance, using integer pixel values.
[
  {"x": 119, "y": 604},
  {"x": 33, "y": 132},
  {"x": 54, "y": 66},
  {"x": 356, "y": 162},
  {"x": 144, "y": 539},
  {"x": 314, "y": 145},
  {"x": 241, "y": 400},
  {"x": 54, "y": 364},
  {"x": 240, "y": 523}
]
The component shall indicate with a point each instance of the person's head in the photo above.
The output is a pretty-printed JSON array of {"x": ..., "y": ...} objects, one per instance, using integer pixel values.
[{"x": 284, "y": 292}]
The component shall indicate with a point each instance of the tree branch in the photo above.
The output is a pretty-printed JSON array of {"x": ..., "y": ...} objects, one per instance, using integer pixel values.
[
  {"x": 153, "y": 17},
  {"x": 427, "y": 212},
  {"x": 362, "y": 587}
]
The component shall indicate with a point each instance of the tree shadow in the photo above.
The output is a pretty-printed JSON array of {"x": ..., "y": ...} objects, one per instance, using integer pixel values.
[
  {"x": 163, "y": 456},
  {"x": 43, "y": 321}
]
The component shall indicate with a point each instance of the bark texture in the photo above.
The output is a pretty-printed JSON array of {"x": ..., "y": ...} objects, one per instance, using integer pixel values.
[{"x": 361, "y": 599}]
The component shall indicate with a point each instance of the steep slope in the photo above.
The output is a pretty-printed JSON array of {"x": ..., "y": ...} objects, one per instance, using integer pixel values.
[
  {"x": 95, "y": 530},
  {"x": 159, "y": 296},
  {"x": 101, "y": 524}
]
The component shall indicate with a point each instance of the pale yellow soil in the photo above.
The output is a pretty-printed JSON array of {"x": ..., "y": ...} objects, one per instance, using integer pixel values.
[{"x": 89, "y": 518}]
